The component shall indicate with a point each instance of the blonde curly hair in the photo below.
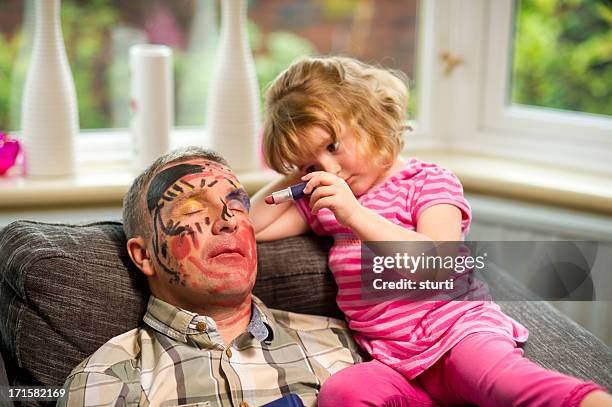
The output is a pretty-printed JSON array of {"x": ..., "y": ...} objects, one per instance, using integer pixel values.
[{"x": 322, "y": 91}]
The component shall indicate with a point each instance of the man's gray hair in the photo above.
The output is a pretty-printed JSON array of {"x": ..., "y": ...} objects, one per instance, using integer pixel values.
[{"x": 135, "y": 220}]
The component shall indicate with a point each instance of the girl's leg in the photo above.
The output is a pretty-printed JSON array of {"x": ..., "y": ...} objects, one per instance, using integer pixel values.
[
  {"x": 372, "y": 384},
  {"x": 489, "y": 370}
]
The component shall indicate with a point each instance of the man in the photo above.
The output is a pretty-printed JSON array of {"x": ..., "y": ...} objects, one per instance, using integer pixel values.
[{"x": 205, "y": 340}]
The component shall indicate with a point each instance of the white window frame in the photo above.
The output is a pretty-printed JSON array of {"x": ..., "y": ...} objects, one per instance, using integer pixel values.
[
  {"x": 107, "y": 145},
  {"x": 472, "y": 99}
]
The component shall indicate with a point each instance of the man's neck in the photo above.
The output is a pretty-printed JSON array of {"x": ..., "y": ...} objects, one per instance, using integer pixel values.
[
  {"x": 232, "y": 317},
  {"x": 232, "y": 321}
]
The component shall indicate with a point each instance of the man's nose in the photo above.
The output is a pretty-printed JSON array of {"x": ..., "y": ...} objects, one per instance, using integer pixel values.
[{"x": 225, "y": 224}]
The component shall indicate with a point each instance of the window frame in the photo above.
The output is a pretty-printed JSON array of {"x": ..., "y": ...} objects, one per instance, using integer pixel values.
[{"x": 481, "y": 33}]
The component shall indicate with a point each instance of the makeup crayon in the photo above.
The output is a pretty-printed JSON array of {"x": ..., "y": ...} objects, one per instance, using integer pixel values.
[{"x": 292, "y": 193}]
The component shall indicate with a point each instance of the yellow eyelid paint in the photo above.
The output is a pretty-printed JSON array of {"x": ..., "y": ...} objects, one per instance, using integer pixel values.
[{"x": 191, "y": 205}]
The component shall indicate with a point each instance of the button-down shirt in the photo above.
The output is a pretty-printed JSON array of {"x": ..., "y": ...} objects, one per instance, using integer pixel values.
[{"x": 179, "y": 358}]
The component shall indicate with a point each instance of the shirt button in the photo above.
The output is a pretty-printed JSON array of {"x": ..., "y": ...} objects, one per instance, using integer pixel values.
[
  {"x": 244, "y": 404},
  {"x": 201, "y": 326},
  {"x": 228, "y": 352}
]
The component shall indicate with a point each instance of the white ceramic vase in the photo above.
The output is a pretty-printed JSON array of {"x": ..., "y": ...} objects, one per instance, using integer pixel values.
[
  {"x": 233, "y": 112},
  {"x": 49, "y": 115}
]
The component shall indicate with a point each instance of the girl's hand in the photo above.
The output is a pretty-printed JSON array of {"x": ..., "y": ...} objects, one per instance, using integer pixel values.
[{"x": 333, "y": 193}]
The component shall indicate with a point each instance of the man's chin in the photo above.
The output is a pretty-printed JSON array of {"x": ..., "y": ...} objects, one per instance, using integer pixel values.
[{"x": 231, "y": 292}]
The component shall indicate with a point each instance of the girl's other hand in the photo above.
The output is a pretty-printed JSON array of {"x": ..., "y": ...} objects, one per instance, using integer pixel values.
[{"x": 333, "y": 193}]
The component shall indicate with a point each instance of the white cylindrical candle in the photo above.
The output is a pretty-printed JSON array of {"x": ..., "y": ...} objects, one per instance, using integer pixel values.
[{"x": 152, "y": 101}]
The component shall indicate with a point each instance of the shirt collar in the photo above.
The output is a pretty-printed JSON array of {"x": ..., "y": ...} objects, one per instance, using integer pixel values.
[{"x": 178, "y": 323}]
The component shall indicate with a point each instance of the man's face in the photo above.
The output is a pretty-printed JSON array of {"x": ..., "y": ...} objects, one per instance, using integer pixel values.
[{"x": 202, "y": 242}]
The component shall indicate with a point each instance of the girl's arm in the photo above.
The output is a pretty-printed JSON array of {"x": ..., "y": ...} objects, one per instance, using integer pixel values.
[
  {"x": 272, "y": 222},
  {"x": 440, "y": 222},
  {"x": 437, "y": 223}
]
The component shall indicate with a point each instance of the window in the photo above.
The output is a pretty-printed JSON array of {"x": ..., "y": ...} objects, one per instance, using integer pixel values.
[
  {"x": 377, "y": 32},
  {"x": 486, "y": 97},
  {"x": 562, "y": 55}
]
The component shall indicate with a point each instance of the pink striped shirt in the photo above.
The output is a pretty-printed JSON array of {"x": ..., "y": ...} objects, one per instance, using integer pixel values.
[{"x": 409, "y": 336}]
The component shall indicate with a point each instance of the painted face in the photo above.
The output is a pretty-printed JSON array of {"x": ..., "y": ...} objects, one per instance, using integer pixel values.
[
  {"x": 344, "y": 158},
  {"x": 202, "y": 235}
]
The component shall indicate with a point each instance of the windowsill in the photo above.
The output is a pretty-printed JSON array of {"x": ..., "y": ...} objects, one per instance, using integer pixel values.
[{"x": 105, "y": 183}]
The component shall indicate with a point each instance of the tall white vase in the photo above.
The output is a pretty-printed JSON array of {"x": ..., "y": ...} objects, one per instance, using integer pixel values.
[
  {"x": 49, "y": 116},
  {"x": 233, "y": 115}
]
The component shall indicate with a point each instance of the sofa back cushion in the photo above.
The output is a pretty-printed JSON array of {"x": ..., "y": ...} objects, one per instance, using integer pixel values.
[{"x": 66, "y": 289}]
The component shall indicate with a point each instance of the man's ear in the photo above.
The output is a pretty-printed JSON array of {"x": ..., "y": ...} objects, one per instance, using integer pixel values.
[{"x": 137, "y": 249}]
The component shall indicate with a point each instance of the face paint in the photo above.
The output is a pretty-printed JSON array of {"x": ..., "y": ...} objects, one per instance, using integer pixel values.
[
  {"x": 241, "y": 196},
  {"x": 203, "y": 237},
  {"x": 180, "y": 247},
  {"x": 165, "y": 179}
]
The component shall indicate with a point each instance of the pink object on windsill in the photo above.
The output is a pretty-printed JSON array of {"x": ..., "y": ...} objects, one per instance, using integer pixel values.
[{"x": 8, "y": 152}]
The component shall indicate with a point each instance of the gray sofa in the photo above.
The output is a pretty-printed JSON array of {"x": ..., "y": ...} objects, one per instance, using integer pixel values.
[{"x": 66, "y": 289}]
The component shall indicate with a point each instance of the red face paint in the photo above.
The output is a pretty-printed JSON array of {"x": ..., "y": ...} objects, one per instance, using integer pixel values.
[
  {"x": 247, "y": 235},
  {"x": 180, "y": 247}
]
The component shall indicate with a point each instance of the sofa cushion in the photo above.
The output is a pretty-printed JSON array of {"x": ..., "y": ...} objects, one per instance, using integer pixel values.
[
  {"x": 65, "y": 291},
  {"x": 556, "y": 342}
]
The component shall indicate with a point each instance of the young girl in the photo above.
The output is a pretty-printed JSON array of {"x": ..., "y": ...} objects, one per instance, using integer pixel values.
[{"x": 338, "y": 123}]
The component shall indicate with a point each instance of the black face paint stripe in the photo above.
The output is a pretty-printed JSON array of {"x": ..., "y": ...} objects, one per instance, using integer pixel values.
[
  {"x": 172, "y": 194},
  {"x": 177, "y": 188},
  {"x": 207, "y": 220},
  {"x": 164, "y": 250},
  {"x": 165, "y": 179},
  {"x": 212, "y": 183},
  {"x": 198, "y": 227},
  {"x": 174, "y": 275},
  {"x": 225, "y": 213},
  {"x": 186, "y": 184},
  {"x": 202, "y": 182},
  {"x": 174, "y": 229},
  {"x": 231, "y": 182}
]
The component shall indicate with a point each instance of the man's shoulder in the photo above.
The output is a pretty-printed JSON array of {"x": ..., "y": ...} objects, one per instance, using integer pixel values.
[{"x": 118, "y": 351}]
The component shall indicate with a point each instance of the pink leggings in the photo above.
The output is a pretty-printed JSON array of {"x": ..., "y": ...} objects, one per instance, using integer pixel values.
[{"x": 484, "y": 369}]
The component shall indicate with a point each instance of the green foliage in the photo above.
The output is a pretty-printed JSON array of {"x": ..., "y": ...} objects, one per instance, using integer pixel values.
[
  {"x": 275, "y": 52},
  {"x": 9, "y": 49},
  {"x": 563, "y": 55},
  {"x": 86, "y": 35}
]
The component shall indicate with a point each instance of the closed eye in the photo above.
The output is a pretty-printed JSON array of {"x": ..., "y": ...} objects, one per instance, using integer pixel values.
[
  {"x": 193, "y": 212},
  {"x": 236, "y": 205},
  {"x": 238, "y": 200}
]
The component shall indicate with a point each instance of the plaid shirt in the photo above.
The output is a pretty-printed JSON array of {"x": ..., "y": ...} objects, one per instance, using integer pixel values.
[{"x": 179, "y": 358}]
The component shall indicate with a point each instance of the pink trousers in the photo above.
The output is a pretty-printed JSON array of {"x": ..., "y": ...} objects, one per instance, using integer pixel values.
[{"x": 484, "y": 369}]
